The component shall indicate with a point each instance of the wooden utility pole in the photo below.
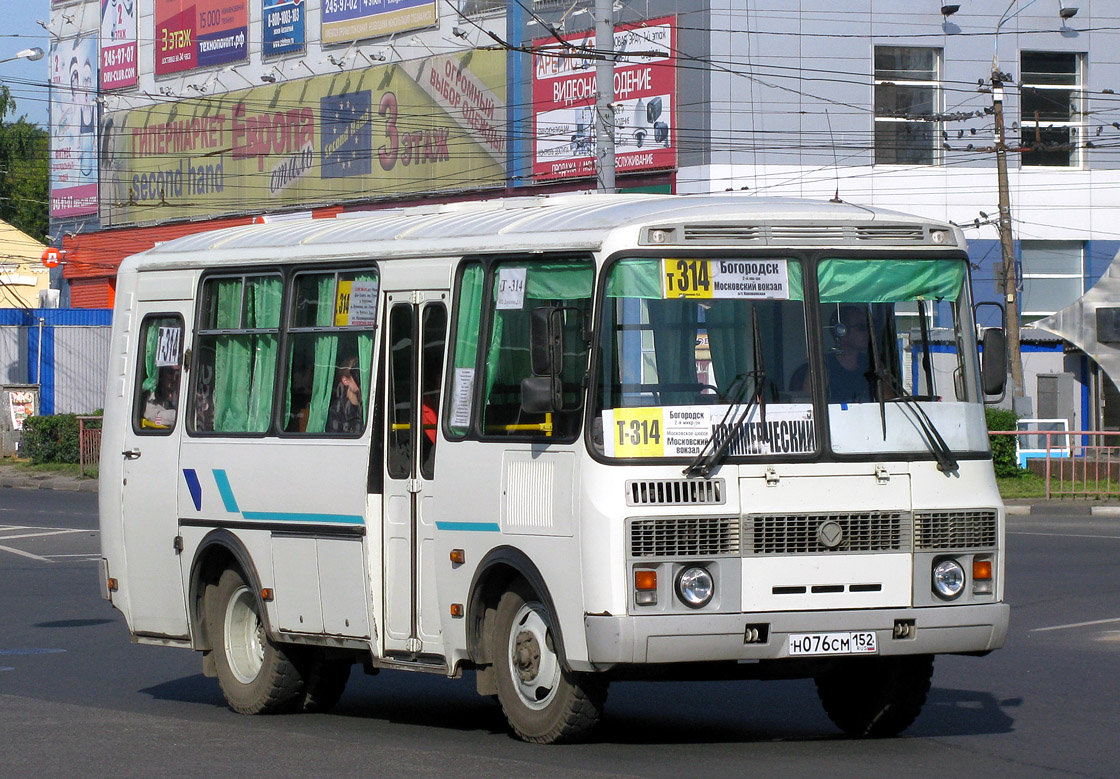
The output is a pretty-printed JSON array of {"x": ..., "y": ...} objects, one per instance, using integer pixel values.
[
  {"x": 604, "y": 95},
  {"x": 1008, "y": 276}
]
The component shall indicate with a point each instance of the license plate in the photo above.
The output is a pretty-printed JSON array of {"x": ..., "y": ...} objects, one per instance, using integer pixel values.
[{"x": 856, "y": 643}]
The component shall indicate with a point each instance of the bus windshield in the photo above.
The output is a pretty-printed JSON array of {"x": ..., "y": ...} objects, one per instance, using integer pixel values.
[{"x": 692, "y": 350}]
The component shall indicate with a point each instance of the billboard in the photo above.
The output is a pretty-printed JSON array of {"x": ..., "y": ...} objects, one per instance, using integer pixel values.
[
  {"x": 73, "y": 158},
  {"x": 353, "y": 20},
  {"x": 436, "y": 124},
  {"x": 644, "y": 96},
  {"x": 283, "y": 27},
  {"x": 118, "y": 44},
  {"x": 200, "y": 33}
]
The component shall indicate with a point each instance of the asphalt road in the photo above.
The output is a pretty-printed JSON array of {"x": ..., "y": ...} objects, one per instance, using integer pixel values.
[{"x": 77, "y": 698}]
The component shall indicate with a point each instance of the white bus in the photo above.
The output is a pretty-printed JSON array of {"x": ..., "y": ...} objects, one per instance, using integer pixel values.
[{"x": 557, "y": 442}]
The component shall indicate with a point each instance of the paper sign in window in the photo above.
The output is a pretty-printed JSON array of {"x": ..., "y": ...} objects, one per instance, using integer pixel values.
[
  {"x": 511, "y": 288},
  {"x": 167, "y": 346}
]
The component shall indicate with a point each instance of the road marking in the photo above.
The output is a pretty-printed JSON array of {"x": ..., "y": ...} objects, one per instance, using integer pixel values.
[
  {"x": 1077, "y": 625},
  {"x": 1057, "y": 535},
  {"x": 22, "y": 553},
  {"x": 41, "y": 535}
]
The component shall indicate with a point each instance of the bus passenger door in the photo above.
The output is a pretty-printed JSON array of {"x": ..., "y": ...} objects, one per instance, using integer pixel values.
[
  {"x": 416, "y": 339},
  {"x": 150, "y": 476}
]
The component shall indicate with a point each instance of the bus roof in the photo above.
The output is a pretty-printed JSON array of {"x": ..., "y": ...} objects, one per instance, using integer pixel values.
[{"x": 555, "y": 223}]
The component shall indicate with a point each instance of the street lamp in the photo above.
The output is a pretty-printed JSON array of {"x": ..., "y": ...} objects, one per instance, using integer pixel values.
[{"x": 33, "y": 54}]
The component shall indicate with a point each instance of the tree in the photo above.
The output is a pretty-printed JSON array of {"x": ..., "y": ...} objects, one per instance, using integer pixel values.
[{"x": 23, "y": 171}]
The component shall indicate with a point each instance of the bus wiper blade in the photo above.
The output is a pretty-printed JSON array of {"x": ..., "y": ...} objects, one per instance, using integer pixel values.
[
  {"x": 712, "y": 453},
  {"x": 946, "y": 460}
]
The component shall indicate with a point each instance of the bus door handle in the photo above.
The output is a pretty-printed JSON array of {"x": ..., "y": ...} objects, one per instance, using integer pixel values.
[{"x": 131, "y": 454}]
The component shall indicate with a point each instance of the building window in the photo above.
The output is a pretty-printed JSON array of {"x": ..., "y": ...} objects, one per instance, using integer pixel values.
[
  {"x": 1053, "y": 276},
  {"x": 482, "y": 7},
  {"x": 1052, "y": 105},
  {"x": 907, "y": 101}
]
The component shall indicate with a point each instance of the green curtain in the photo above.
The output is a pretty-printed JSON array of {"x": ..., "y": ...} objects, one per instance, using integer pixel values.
[
  {"x": 889, "y": 281},
  {"x": 326, "y": 358},
  {"x": 673, "y": 323},
  {"x": 151, "y": 343},
  {"x": 263, "y": 311},
  {"x": 231, "y": 379},
  {"x": 245, "y": 365},
  {"x": 730, "y": 340}
]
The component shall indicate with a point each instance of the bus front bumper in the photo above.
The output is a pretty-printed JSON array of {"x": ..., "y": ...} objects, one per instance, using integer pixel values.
[{"x": 678, "y": 638}]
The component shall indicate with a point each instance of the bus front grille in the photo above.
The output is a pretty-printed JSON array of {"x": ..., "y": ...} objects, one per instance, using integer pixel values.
[
  {"x": 945, "y": 530},
  {"x": 862, "y": 531},
  {"x": 674, "y": 492},
  {"x": 684, "y": 537}
]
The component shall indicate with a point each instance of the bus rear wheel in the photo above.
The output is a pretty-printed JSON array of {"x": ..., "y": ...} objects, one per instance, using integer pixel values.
[
  {"x": 542, "y": 701},
  {"x": 256, "y": 675},
  {"x": 876, "y": 697}
]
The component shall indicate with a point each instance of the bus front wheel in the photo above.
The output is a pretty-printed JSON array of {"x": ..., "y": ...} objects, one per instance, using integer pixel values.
[
  {"x": 542, "y": 701},
  {"x": 256, "y": 676},
  {"x": 876, "y": 697}
]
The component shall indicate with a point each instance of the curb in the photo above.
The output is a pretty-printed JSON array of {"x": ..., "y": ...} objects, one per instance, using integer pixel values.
[{"x": 1058, "y": 509}]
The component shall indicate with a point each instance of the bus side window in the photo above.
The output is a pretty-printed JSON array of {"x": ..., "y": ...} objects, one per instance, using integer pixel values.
[
  {"x": 517, "y": 289},
  {"x": 235, "y": 366},
  {"x": 330, "y": 353},
  {"x": 468, "y": 322},
  {"x": 432, "y": 338},
  {"x": 156, "y": 399}
]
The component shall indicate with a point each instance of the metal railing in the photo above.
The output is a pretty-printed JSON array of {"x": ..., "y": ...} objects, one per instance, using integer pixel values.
[
  {"x": 1074, "y": 463},
  {"x": 89, "y": 442}
]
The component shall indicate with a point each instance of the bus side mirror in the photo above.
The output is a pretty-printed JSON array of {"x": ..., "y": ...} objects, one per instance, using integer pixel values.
[
  {"x": 546, "y": 340},
  {"x": 993, "y": 365},
  {"x": 541, "y": 393}
]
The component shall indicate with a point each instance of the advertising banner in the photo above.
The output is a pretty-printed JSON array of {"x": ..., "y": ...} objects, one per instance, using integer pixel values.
[
  {"x": 644, "y": 93},
  {"x": 73, "y": 75},
  {"x": 353, "y": 20},
  {"x": 284, "y": 29},
  {"x": 200, "y": 33},
  {"x": 118, "y": 44},
  {"x": 436, "y": 125}
]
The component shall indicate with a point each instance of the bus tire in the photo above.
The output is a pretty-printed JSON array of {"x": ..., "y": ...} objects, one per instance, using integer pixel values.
[
  {"x": 876, "y": 697},
  {"x": 256, "y": 675},
  {"x": 543, "y": 702},
  {"x": 324, "y": 681}
]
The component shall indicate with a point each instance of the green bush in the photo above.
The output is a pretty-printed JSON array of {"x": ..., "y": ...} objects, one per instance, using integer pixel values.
[
  {"x": 50, "y": 439},
  {"x": 1003, "y": 446}
]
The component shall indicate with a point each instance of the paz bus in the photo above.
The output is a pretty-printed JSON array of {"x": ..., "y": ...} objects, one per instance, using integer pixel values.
[{"x": 557, "y": 442}]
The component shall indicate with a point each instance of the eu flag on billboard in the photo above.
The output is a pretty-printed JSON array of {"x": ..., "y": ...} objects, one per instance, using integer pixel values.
[{"x": 347, "y": 134}]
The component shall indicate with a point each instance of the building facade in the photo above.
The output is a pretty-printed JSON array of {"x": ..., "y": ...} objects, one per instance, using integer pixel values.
[{"x": 166, "y": 122}]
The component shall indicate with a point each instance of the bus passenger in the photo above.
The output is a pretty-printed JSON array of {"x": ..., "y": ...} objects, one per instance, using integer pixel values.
[
  {"x": 345, "y": 413},
  {"x": 161, "y": 404}
]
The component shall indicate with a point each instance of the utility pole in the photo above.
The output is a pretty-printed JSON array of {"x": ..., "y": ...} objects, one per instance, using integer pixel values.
[
  {"x": 1008, "y": 277},
  {"x": 604, "y": 95}
]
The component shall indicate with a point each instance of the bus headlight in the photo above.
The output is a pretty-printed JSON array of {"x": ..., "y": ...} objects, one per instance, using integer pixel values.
[
  {"x": 948, "y": 579},
  {"x": 695, "y": 586}
]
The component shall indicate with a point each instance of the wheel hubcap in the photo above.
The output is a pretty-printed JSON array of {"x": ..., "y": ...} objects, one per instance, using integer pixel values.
[
  {"x": 535, "y": 667},
  {"x": 244, "y": 636}
]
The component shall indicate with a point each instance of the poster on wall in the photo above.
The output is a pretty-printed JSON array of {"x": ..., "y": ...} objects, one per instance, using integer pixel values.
[
  {"x": 644, "y": 95},
  {"x": 118, "y": 44},
  {"x": 435, "y": 125},
  {"x": 283, "y": 29},
  {"x": 353, "y": 20},
  {"x": 200, "y": 33},
  {"x": 73, "y": 157}
]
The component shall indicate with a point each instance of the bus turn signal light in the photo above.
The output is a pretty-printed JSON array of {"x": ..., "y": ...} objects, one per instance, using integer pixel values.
[
  {"x": 645, "y": 580},
  {"x": 981, "y": 569}
]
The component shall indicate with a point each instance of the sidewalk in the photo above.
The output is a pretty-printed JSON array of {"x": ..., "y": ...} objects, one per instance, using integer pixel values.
[{"x": 19, "y": 478}]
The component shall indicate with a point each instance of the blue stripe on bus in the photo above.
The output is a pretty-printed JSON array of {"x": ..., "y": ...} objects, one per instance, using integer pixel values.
[
  {"x": 483, "y": 527},
  {"x": 284, "y": 516},
  {"x": 194, "y": 486},
  {"x": 226, "y": 491}
]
